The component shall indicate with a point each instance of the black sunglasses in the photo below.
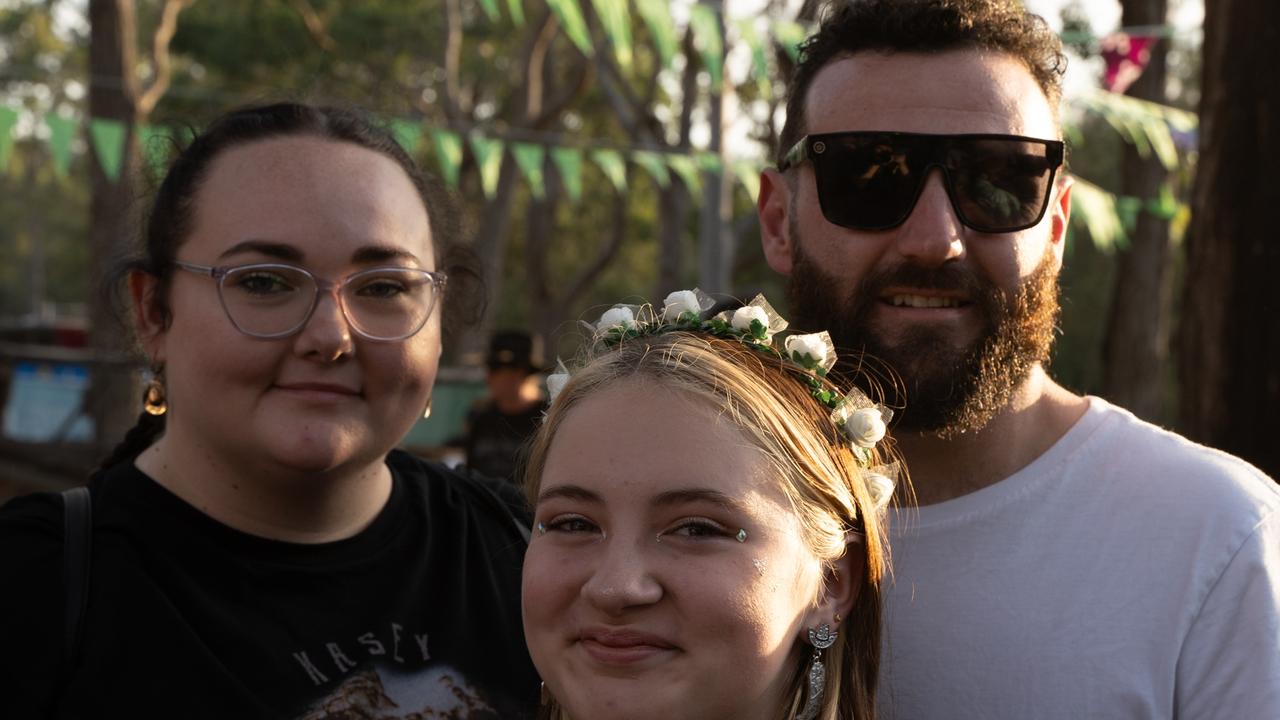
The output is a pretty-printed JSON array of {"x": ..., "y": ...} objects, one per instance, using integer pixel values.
[{"x": 872, "y": 180}]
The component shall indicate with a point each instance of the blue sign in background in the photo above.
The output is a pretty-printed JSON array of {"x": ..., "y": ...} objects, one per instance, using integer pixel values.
[{"x": 43, "y": 398}]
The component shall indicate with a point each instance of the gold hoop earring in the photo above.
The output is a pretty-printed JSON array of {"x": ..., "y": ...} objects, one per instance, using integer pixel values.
[{"x": 154, "y": 399}]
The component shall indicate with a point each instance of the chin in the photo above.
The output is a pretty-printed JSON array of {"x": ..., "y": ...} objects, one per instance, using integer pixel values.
[
  {"x": 641, "y": 701},
  {"x": 314, "y": 452}
]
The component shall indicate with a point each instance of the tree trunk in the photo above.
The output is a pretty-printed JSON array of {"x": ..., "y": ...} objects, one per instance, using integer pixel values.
[
  {"x": 111, "y": 401},
  {"x": 1136, "y": 349},
  {"x": 1229, "y": 340}
]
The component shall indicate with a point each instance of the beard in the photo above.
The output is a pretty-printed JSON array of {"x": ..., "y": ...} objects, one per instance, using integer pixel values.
[{"x": 940, "y": 389}]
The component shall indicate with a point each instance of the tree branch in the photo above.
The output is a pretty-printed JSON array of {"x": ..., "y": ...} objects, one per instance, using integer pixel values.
[
  {"x": 618, "y": 233},
  {"x": 456, "y": 105},
  {"x": 159, "y": 84},
  {"x": 316, "y": 25}
]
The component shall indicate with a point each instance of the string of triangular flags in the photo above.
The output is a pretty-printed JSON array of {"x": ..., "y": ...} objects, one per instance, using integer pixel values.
[
  {"x": 704, "y": 22},
  {"x": 107, "y": 139},
  {"x": 1106, "y": 215}
]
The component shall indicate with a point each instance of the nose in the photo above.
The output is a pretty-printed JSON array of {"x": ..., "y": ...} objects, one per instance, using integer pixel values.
[
  {"x": 327, "y": 334},
  {"x": 622, "y": 579},
  {"x": 932, "y": 235}
]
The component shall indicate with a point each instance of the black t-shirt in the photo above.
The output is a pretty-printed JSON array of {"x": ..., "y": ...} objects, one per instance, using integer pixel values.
[
  {"x": 494, "y": 438},
  {"x": 416, "y": 616}
]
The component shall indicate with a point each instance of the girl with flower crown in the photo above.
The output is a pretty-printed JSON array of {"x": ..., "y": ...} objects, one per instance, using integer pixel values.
[{"x": 708, "y": 524}]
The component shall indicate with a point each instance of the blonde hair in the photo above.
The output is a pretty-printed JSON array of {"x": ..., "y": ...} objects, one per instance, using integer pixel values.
[{"x": 767, "y": 401}]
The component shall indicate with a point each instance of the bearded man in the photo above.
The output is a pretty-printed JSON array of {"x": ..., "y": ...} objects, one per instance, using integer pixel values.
[{"x": 1064, "y": 559}]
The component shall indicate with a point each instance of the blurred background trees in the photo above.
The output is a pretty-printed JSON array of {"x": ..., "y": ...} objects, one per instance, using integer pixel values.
[{"x": 606, "y": 149}]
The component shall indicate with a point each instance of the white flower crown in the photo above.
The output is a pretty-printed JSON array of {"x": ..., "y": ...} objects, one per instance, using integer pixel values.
[{"x": 861, "y": 421}]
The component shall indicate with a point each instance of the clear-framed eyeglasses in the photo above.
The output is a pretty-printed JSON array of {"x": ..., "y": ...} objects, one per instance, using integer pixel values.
[{"x": 274, "y": 300}]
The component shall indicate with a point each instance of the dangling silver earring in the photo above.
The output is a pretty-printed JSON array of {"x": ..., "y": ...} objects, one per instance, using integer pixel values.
[
  {"x": 820, "y": 638},
  {"x": 427, "y": 413}
]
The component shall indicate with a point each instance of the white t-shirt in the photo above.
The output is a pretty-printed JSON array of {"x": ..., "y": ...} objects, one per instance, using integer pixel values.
[{"x": 1126, "y": 573}]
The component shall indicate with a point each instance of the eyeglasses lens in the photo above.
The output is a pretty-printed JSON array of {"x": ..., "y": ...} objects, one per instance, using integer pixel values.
[
  {"x": 871, "y": 181},
  {"x": 389, "y": 302},
  {"x": 999, "y": 183},
  {"x": 267, "y": 300},
  {"x": 275, "y": 300}
]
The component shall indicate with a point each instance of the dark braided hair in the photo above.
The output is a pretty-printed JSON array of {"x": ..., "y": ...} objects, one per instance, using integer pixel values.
[{"x": 169, "y": 222}]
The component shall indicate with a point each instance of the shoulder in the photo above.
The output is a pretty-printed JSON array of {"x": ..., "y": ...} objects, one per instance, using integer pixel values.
[
  {"x": 30, "y": 521},
  {"x": 476, "y": 494},
  {"x": 1136, "y": 441},
  {"x": 1171, "y": 476}
]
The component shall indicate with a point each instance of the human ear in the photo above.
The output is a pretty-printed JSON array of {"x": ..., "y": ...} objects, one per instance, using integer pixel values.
[
  {"x": 773, "y": 205},
  {"x": 1060, "y": 215},
  {"x": 842, "y": 580},
  {"x": 149, "y": 318}
]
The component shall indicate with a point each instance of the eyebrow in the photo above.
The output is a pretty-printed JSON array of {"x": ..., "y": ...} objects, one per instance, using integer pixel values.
[
  {"x": 669, "y": 498},
  {"x": 569, "y": 492},
  {"x": 283, "y": 251},
  {"x": 280, "y": 251},
  {"x": 693, "y": 495}
]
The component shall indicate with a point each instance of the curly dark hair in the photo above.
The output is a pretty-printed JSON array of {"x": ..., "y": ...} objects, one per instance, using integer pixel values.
[{"x": 924, "y": 26}]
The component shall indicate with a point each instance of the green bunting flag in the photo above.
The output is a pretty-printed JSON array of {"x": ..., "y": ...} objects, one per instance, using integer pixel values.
[
  {"x": 490, "y": 9},
  {"x": 708, "y": 161},
  {"x": 748, "y": 173},
  {"x": 529, "y": 158},
  {"x": 448, "y": 154},
  {"x": 612, "y": 165},
  {"x": 687, "y": 169},
  {"x": 8, "y": 118},
  {"x": 569, "y": 164},
  {"x": 570, "y": 17},
  {"x": 653, "y": 164},
  {"x": 617, "y": 25},
  {"x": 1095, "y": 209},
  {"x": 61, "y": 130},
  {"x": 408, "y": 134},
  {"x": 488, "y": 154},
  {"x": 154, "y": 142},
  {"x": 657, "y": 17},
  {"x": 705, "y": 23},
  {"x": 516, "y": 8},
  {"x": 108, "y": 144},
  {"x": 789, "y": 35}
]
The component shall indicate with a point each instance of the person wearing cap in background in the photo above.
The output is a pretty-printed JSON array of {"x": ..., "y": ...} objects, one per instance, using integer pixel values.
[{"x": 499, "y": 424}]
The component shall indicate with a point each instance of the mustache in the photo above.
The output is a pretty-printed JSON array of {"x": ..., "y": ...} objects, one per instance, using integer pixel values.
[{"x": 948, "y": 278}]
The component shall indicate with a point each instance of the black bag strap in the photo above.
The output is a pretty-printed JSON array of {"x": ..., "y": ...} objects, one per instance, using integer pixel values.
[{"x": 77, "y": 548}]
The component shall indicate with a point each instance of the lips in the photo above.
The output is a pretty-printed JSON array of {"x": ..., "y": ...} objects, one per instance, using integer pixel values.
[
  {"x": 318, "y": 389},
  {"x": 617, "y": 646},
  {"x": 923, "y": 299}
]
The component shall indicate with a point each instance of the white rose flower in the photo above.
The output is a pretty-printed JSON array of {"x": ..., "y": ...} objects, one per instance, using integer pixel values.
[
  {"x": 880, "y": 487},
  {"x": 678, "y": 303},
  {"x": 865, "y": 427},
  {"x": 808, "y": 345},
  {"x": 616, "y": 317},
  {"x": 555, "y": 383},
  {"x": 743, "y": 316}
]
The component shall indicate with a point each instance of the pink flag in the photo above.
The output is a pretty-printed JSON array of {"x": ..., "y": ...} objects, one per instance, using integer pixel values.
[{"x": 1126, "y": 57}]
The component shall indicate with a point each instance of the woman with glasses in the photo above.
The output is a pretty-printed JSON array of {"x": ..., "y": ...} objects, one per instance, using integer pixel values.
[{"x": 257, "y": 547}]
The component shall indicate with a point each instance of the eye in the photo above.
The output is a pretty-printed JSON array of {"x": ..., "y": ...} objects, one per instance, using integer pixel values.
[
  {"x": 571, "y": 524},
  {"x": 262, "y": 282},
  {"x": 698, "y": 529},
  {"x": 381, "y": 287}
]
